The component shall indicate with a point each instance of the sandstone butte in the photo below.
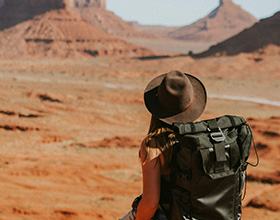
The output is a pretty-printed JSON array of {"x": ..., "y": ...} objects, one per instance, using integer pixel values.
[
  {"x": 262, "y": 38},
  {"x": 106, "y": 20},
  {"x": 87, "y": 3},
  {"x": 47, "y": 28},
  {"x": 227, "y": 20}
]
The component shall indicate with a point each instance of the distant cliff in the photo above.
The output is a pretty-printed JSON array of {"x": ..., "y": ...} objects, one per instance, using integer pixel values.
[
  {"x": 36, "y": 3},
  {"x": 261, "y": 38},
  {"x": 49, "y": 29},
  {"x": 94, "y": 12},
  {"x": 225, "y": 21},
  {"x": 16, "y": 11},
  {"x": 87, "y": 3}
]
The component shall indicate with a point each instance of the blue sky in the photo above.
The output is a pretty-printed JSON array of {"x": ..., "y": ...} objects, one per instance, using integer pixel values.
[{"x": 182, "y": 12}]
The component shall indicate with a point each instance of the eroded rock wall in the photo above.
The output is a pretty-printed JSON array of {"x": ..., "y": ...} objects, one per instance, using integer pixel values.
[
  {"x": 87, "y": 3},
  {"x": 56, "y": 4}
]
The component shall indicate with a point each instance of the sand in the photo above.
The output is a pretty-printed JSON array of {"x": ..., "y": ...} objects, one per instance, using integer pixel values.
[{"x": 70, "y": 132}]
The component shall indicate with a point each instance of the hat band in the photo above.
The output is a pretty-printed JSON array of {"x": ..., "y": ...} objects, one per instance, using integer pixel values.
[{"x": 178, "y": 112}]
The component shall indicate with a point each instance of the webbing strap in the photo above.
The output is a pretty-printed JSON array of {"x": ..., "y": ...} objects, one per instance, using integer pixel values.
[
  {"x": 193, "y": 127},
  {"x": 213, "y": 125},
  {"x": 219, "y": 167},
  {"x": 232, "y": 120},
  {"x": 220, "y": 152},
  {"x": 235, "y": 156}
]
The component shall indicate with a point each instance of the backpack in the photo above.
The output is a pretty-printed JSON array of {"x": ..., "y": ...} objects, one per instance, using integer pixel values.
[{"x": 208, "y": 169}]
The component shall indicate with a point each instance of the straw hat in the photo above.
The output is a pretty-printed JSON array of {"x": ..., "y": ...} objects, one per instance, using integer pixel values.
[{"x": 175, "y": 97}]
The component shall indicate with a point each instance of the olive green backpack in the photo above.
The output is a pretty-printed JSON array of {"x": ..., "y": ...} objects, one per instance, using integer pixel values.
[{"x": 208, "y": 169}]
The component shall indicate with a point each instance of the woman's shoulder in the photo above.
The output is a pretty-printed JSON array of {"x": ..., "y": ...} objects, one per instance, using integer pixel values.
[
  {"x": 156, "y": 143},
  {"x": 149, "y": 151}
]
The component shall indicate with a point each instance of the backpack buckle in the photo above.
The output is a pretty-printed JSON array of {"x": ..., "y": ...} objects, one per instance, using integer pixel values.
[{"x": 218, "y": 136}]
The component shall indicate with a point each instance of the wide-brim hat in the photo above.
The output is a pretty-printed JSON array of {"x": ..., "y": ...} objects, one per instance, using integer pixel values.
[{"x": 175, "y": 97}]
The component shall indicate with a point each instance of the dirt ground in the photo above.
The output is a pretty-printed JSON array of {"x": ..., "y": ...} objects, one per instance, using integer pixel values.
[{"x": 70, "y": 131}]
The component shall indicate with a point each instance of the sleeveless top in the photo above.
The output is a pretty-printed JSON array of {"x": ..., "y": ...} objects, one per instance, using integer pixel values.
[{"x": 164, "y": 139}]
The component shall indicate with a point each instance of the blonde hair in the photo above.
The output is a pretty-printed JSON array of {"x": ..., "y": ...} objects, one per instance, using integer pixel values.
[{"x": 162, "y": 134}]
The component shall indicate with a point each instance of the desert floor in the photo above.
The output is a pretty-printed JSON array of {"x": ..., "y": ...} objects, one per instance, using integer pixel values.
[{"x": 70, "y": 131}]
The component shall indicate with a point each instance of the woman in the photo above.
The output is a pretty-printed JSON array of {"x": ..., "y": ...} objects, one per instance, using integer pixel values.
[
  {"x": 171, "y": 97},
  {"x": 155, "y": 153}
]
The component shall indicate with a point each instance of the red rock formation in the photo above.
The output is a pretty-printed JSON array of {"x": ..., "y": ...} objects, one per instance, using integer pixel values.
[
  {"x": 16, "y": 11},
  {"x": 39, "y": 29},
  {"x": 88, "y": 3},
  {"x": 225, "y": 21},
  {"x": 106, "y": 20},
  {"x": 36, "y": 3},
  {"x": 262, "y": 38}
]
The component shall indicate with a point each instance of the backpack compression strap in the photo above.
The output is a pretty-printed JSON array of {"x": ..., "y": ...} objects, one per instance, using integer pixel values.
[{"x": 226, "y": 121}]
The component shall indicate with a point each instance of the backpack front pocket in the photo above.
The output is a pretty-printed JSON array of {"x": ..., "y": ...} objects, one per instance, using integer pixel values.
[{"x": 221, "y": 159}]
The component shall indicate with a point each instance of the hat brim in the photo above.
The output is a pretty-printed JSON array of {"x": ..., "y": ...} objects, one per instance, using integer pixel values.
[{"x": 191, "y": 114}]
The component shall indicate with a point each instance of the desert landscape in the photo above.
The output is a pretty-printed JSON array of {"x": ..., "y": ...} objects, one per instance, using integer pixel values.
[{"x": 72, "y": 120}]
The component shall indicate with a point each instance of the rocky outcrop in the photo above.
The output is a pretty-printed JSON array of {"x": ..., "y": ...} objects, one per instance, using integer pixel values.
[
  {"x": 47, "y": 4},
  {"x": 16, "y": 11},
  {"x": 94, "y": 12},
  {"x": 51, "y": 30},
  {"x": 226, "y": 20},
  {"x": 87, "y": 3},
  {"x": 262, "y": 38},
  {"x": 109, "y": 22}
]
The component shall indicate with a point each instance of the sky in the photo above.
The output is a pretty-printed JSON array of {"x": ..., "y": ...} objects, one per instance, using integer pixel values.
[{"x": 182, "y": 12}]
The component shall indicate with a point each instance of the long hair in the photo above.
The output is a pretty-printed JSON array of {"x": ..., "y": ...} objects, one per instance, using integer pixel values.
[{"x": 162, "y": 133}]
